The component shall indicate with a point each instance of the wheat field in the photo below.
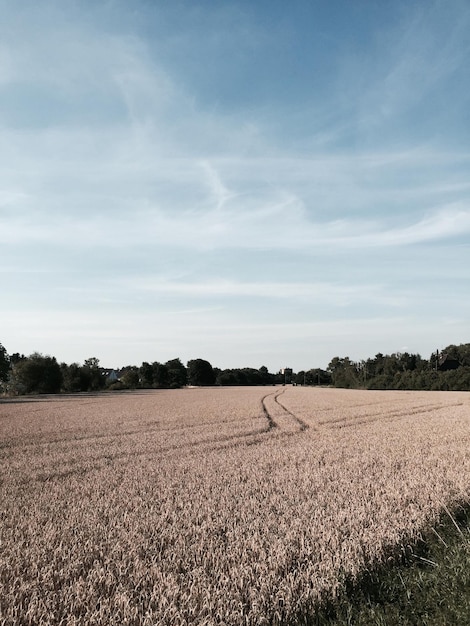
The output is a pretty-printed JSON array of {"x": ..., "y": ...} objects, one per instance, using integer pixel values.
[{"x": 222, "y": 506}]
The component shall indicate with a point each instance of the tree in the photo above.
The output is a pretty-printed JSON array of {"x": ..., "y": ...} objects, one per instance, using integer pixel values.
[
  {"x": 318, "y": 376},
  {"x": 160, "y": 375},
  {"x": 131, "y": 377},
  {"x": 37, "y": 374},
  {"x": 344, "y": 373},
  {"x": 177, "y": 375},
  {"x": 146, "y": 374},
  {"x": 266, "y": 377},
  {"x": 4, "y": 364},
  {"x": 227, "y": 377},
  {"x": 315, "y": 376},
  {"x": 200, "y": 372},
  {"x": 93, "y": 372},
  {"x": 75, "y": 377},
  {"x": 243, "y": 376}
]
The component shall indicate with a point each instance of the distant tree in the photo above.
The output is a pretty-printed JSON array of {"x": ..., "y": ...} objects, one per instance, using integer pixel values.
[
  {"x": 131, "y": 378},
  {"x": 4, "y": 364},
  {"x": 381, "y": 381},
  {"x": 94, "y": 374},
  {"x": 461, "y": 378},
  {"x": 249, "y": 376},
  {"x": 410, "y": 362},
  {"x": 227, "y": 377},
  {"x": 92, "y": 363},
  {"x": 160, "y": 375},
  {"x": 16, "y": 357},
  {"x": 266, "y": 377},
  {"x": 394, "y": 371},
  {"x": 75, "y": 377},
  {"x": 146, "y": 375},
  {"x": 344, "y": 372},
  {"x": 315, "y": 376},
  {"x": 318, "y": 376},
  {"x": 177, "y": 375},
  {"x": 37, "y": 374},
  {"x": 200, "y": 372},
  {"x": 245, "y": 376},
  {"x": 464, "y": 354}
]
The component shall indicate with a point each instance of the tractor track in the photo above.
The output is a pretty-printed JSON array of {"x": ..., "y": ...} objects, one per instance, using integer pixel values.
[
  {"x": 282, "y": 421},
  {"x": 271, "y": 423},
  {"x": 302, "y": 425}
]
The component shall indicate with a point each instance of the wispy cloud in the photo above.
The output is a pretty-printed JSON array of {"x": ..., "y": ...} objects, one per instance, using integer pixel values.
[
  {"x": 276, "y": 222},
  {"x": 217, "y": 189},
  {"x": 302, "y": 292},
  {"x": 408, "y": 84}
]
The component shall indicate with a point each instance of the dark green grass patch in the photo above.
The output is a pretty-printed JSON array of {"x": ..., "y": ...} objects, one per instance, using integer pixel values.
[{"x": 428, "y": 585}]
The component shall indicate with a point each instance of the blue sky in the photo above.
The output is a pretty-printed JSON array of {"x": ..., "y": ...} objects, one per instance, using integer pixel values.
[{"x": 253, "y": 183}]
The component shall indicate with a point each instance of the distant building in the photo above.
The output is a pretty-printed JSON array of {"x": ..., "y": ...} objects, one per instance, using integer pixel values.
[
  {"x": 446, "y": 363},
  {"x": 111, "y": 375},
  {"x": 287, "y": 373}
]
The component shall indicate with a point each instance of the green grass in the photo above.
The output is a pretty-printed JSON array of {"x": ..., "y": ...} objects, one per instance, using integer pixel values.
[{"x": 429, "y": 585}]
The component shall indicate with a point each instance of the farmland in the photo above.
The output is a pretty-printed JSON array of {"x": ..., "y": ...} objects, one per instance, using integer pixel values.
[{"x": 215, "y": 506}]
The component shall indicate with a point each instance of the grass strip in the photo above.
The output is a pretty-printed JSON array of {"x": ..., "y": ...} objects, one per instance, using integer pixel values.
[{"x": 428, "y": 585}]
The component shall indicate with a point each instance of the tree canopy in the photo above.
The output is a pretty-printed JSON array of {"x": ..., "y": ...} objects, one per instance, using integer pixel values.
[
  {"x": 200, "y": 372},
  {"x": 177, "y": 374},
  {"x": 4, "y": 364},
  {"x": 37, "y": 374}
]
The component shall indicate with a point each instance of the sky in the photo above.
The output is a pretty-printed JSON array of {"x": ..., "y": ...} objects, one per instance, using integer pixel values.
[{"x": 248, "y": 182}]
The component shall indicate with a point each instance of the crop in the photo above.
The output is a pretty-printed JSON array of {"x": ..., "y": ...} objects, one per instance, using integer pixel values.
[{"x": 215, "y": 506}]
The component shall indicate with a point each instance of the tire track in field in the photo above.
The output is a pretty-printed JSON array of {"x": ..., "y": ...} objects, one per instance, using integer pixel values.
[
  {"x": 280, "y": 420},
  {"x": 104, "y": 460},
  {"x": 279, "y": 416},
  {"x": 302, "y": 425},
  {"x": 271, "y": 423},
  {"x": 349, "y": 421}
]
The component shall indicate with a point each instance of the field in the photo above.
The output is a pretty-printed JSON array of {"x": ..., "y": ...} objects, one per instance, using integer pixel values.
[{"x": 218, "y": 506}]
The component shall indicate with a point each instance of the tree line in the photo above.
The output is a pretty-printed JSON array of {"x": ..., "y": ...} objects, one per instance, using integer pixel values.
[
  {"x": 37, "y": 373},
  {"x": 446, "y": 370}
]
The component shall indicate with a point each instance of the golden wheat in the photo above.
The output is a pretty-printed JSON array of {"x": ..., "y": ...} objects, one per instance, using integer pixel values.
[{"x": 214, "y": 506}]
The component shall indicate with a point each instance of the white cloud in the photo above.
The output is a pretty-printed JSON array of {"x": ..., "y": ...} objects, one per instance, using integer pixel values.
[
  {"x": 270, "y": 219},
  {"x": 450, "y": 221},
  {"x": 302, "y": 292},
  {"x": 220, "y": 193}
]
